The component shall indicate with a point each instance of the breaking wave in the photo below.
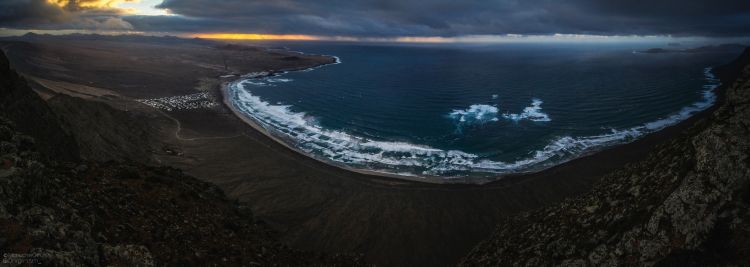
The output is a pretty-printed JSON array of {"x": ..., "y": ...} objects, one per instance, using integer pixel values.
[
  {"x": 532, "y": 113},
  {"x": 485, "y": 113},
  {"x": 475, "y": 114},
  {"x": 303, "y": 132}
]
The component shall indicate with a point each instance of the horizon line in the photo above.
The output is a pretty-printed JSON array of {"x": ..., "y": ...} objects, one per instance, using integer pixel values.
[{"x": 469, "y": 38}]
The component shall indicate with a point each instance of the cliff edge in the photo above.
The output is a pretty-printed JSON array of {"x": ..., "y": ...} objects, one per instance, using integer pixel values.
[{"x": 686, "y": 204}]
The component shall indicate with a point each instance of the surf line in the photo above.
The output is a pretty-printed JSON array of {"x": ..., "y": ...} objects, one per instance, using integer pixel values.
[{"x": 338, "y": 148}]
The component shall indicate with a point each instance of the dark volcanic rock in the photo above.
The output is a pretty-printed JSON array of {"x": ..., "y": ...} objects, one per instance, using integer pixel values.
[
  {"x": 118, "y": 214},
  {"x": 18, "y": 102},
  {"x": 291, "y": 58},
  {"x": 237, "y": 47},
  {"x": 686, "y": 204}
]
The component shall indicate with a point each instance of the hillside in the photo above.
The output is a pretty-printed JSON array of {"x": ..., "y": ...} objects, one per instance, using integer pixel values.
[
  {"x": 103, "y": 133},
  {"x": 20, "y": 104},
  {"x": 686, "y": 204},
  {"x": 58, "y": 210}
]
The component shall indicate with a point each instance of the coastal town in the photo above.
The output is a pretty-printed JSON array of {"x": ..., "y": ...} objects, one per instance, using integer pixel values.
[{"x": 204, "y": 100}]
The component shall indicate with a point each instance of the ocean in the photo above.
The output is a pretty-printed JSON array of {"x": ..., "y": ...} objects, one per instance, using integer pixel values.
[{"x": 474, "y": 111}]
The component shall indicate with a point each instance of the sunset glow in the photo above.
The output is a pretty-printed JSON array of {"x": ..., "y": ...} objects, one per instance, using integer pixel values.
[
  {"x": 256, "y": 36},
  {"x": 86, "y": 4},
  {"x": 507, "y": 38},
  {"x": 125, "y": 7}
]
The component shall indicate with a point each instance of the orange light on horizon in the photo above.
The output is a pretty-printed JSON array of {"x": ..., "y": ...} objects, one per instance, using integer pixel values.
[
  {"x": 86, "y": 4},
  {"x": 256, "y": 36}
]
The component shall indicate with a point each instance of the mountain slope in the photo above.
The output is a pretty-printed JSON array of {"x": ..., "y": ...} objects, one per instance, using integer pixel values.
[
  {"x": 18, "y": 103},
  {"x": 103, "y": 133},
  {"x": 58, "y": 210}
]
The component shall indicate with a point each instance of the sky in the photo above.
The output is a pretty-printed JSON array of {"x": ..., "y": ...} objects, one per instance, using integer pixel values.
[{"x": 386, "y": 20}]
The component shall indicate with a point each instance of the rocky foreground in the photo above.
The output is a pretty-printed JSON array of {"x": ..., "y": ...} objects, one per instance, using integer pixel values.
[
  {"x": 686, "y": 204},
  {"x": 59, "y": 210}
]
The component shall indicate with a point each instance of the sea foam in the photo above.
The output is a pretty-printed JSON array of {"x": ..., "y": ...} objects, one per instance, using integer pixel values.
[
  {"x": 475, "y": 113},
  {"x": 532, "y": 113},
  {"x": 481, "y": 113},
  {"x": 341, "y": 147}
]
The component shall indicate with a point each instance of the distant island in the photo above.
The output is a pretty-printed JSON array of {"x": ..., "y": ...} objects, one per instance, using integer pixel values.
[{"x": 702, "y": 49}]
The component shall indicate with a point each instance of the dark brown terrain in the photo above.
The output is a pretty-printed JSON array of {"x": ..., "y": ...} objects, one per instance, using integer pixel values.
[
  {"x": 60, "y": 211},
  {"x": 313, "y": 206}
]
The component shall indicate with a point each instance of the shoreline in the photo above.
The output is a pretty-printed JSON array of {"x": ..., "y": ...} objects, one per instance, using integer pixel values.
[
  {"x": 646, "y": 138},
  {"x": 226, "y": 101}
]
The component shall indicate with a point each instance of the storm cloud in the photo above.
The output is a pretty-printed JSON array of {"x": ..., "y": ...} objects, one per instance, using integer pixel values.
[
  {"x": 388, "y": 18},
  {"x": 62, "y": 14}
]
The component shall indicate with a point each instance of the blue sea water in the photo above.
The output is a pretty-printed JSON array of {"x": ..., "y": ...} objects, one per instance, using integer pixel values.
[{"x": 477, "y": 111}]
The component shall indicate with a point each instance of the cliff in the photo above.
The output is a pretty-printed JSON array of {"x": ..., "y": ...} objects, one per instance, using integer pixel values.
[
  {"x": 59, "y": 210},
  {"x": 686, "y": 204},
  {"x": 18, "y": 103}
]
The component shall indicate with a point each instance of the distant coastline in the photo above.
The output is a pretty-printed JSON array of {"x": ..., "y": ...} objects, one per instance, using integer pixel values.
[{"x": 702, "y": 49}]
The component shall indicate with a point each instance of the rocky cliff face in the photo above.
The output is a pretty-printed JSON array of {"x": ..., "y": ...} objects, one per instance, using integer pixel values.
[
  {"x": 57, "y": 210},
  {"x": 687, "y": 204},
  {"x": 18, "y": 103}
]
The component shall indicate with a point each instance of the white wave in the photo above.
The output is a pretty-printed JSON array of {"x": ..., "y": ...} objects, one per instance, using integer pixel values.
[
  {"x": 253, "y": 75},
  {"x": 277, "y": 80},
  {"x": 709, "y": 98},
  {"x": 267, "y": 80},
  {"x": 336, "y": 60},
  {"x": 475, "y": 114},
  {"x": 532, "y": 113},
  {"x": 257, "y": 82},
  {"x": 485, "y": 113},
  {"x": 342, "y": 147},
  {"x": 406, "y": 158}
]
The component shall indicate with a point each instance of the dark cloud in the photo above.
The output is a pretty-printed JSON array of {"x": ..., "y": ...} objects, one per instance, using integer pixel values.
[
  {"x": 71, "y": 14},
  {"x": 451, "y": 18},
  {"x": 29, "y": 12},
  {"x": 384, "y": 18}
]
